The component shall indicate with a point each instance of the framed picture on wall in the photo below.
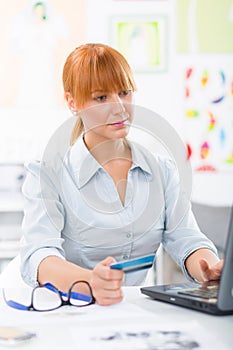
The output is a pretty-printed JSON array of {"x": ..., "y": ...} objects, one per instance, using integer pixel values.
[
  {"x": 37, "y": 37},
  {"x": 143, "y": 40}
]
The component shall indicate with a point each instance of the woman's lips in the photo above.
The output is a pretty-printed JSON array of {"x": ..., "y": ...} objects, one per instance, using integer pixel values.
[{"x": 119, "y": 124}]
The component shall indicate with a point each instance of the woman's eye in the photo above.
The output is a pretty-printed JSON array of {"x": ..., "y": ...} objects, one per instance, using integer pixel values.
[
  {"x": 101, "y": 98},
  {"x": 125, "y": 92}
]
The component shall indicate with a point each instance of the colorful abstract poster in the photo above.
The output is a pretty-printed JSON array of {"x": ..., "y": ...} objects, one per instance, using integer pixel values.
[{"x": 208, "y": 116}]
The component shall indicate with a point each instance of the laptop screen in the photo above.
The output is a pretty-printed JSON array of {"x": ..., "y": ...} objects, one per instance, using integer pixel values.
[{"x": 225, "y": 297}]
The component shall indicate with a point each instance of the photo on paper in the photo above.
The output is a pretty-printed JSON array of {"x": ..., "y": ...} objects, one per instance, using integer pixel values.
[
  {"x": 136, "y": 336},
  {"x": 153, "y": 340}
]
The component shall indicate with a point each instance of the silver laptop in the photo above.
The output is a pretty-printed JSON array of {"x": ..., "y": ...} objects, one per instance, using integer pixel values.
[{"x": 214, "y": 297}]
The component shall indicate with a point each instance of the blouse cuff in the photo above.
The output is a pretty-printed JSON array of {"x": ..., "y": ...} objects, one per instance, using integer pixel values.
[
  {"x": 31, "y": 274},
  {"x": 183, "y": 267}
]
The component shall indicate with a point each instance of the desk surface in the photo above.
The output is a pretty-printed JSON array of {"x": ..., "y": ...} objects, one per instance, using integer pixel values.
[{"x": 54, "y": 329}]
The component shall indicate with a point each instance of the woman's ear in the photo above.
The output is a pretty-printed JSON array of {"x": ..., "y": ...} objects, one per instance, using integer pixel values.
[{"x": 70, "y": 102}]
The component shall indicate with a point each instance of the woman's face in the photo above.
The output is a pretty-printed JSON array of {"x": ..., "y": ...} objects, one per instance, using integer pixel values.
[{"x": 108, "y": 115}]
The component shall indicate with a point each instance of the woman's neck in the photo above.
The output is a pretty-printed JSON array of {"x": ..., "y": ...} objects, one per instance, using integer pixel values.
[{"x": 106, "y": 150}]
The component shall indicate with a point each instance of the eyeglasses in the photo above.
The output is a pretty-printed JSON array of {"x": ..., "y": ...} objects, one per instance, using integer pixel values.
[{"x": 47, "y": 297}]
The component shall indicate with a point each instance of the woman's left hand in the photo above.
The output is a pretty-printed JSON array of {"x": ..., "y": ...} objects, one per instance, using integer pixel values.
[{"x": 211, "y": 273}]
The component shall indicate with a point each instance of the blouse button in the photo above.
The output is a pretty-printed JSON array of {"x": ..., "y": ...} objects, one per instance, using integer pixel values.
[{"x": 125, "y": 257}]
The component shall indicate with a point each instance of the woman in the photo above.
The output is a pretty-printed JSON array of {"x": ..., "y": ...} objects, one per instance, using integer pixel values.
[{"x": 100, "y": 205}]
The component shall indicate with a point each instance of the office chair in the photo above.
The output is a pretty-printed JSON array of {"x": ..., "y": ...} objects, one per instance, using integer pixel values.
[
  {"x": 11, "y": 277},
  {"x": 214, "y": 222}
]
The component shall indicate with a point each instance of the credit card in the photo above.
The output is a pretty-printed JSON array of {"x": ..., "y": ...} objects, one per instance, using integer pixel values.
[{"x": 144, "y": 262}]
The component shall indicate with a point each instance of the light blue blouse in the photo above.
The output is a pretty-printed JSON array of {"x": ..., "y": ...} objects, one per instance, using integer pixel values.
[{"x": 72, "y": 210}]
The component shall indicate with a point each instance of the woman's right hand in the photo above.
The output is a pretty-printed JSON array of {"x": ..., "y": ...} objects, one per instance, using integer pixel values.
[{"x": 106, "y": 283}]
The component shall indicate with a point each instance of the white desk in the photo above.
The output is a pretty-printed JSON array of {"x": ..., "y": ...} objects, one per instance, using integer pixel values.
[{"x": 54, "y": 331}]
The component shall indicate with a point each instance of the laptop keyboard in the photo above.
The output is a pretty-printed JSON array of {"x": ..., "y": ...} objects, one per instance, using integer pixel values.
[{"x": 208, "y": 292}]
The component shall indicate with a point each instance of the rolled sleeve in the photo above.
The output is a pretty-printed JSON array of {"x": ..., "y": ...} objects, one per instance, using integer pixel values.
[
  {"x": 43, "y": 221},
  {"x": 182, "y": 235},
  {"x": 184, "y": 241}
]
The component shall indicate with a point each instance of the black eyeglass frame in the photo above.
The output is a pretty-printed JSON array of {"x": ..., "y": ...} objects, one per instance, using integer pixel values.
[{"x": 61, "y": 295}]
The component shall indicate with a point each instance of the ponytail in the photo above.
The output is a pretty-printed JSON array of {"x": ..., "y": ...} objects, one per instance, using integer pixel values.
[{"x": 77, "y": 131}]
